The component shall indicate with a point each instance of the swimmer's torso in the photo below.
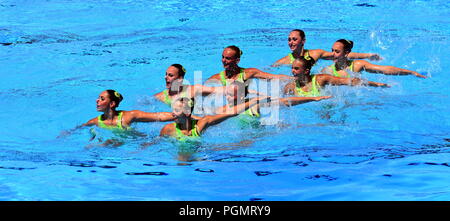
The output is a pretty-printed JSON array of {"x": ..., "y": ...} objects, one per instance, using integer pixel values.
[
  {"x": 312, "y": 90},
  {"x": 118, "y": 125},
  {"x": 193, "y": 132}
]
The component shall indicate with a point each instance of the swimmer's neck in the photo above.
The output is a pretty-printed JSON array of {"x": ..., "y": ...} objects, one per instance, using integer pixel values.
[
  {"x": 232, "y": 71},
  {"x": 342, "y": 64},
  {"x": 109, "y": 114},
  {"x": 300, "y": 51}
]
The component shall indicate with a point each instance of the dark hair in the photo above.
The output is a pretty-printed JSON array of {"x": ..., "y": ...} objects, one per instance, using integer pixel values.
[
  {"x": 307, "y": 64},
  {"x": 301, "y": 32},
  {"x": 348, "y": 45},
  {"x": 236, "y": 49},
  {"x": 115, "y": 96},
  {"x": 181, "y": 69}
]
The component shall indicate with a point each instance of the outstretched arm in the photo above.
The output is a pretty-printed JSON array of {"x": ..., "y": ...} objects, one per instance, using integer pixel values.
[
  {"x": 256, "y": 92},
  {"x": 324, "y": 79},
  {"x": 65, "y": 133},
  {"x": 283, "y": 61},
  {"x": 370, "y": 56},
  {"x": 352, "y": 55},
  {"x": 205, "y": 90},
  {"x": 256, "y": 73},
  {"x": 159, "y": 96},
  {"x": 388, "y": 70},
  {"x": 358, "y": 81},
  {"x": 141, "y": 116},
  {"x": 213, "y": 79}
]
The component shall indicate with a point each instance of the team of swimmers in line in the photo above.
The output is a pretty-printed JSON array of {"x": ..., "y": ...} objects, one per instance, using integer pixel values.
[{"x": 303, "y": 86}]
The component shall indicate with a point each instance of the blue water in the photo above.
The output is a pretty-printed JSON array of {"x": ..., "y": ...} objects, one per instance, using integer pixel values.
[{"x": 363, "y": 144}]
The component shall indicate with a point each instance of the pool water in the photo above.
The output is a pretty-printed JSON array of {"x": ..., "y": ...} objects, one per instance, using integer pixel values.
[{"x": 362, "y": 144}]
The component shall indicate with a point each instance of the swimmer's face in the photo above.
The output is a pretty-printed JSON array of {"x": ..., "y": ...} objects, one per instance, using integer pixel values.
[
  {"x": 229, "y": 58},
  {"x": 295, "y": 42},
  {"x": 338, "y": 52},
  {"x": 181, "y": 111},
  {"x": 298, "y": 69},
  {"x": 172, "y": 75},
  {"x": 104, "y": 102}
]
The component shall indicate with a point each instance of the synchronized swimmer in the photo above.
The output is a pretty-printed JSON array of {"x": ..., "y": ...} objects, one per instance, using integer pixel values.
[
  {"x": 108, "y": 101},
  {"x": 175, "y": 88},
  {"x": 303, "y": 87},
  {"x": 308, "y": 85},
  {"x": 342, "y": 64},
  {"x": 231, "y": 57},
  {"x": 118, "y": 120}
]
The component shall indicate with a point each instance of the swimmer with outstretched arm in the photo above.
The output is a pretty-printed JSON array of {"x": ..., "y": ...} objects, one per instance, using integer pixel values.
[
  {"x": 175, "y": 87},
  {"x": 231, "y": 57},
  {"x": 109, "y": 100},
  {"x": 342, "y": 64},
  {"x": 119, "y": 120},
  {"x": 296, "y": 42},
  {"x": 308, "y": 85}
]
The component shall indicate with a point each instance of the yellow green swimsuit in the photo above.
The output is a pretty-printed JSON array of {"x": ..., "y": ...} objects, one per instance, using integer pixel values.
[
  {"x": 194, "y": 132},
  {"x": 240, "y": 77},
  {"x": 305, "y": 55},
  {"x": 314, "y": 92},
  {"x": 336, "y": 74},
  {"x": 119, "y": 126},
  {"x": 120, "y": 133}
]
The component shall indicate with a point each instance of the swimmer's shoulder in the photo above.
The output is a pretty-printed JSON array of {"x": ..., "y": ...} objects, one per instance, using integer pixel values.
[
  {"x": 167, "y": 130},
  {"x": 214, "y": 79},
  {"x": 319, "y": 54},
  {"x": 159, "y": 95},
  {"x": 314, "y": 51},
  {"x": 91, "y": 122},
  {"x": 358, "y": 65},
  {"x": 251, "y": 71},
  {"x": 215, "y": 76},
  {"x": 282, "y": 61}
]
